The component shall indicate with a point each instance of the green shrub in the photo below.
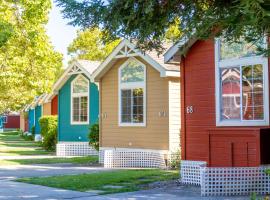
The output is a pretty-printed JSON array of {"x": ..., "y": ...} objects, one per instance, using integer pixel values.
[
  {"x": 48, "y": 130},
  {"x": 175, "y": 160},
  {"x": 33, "y": 131},
  {"x": 94, "y": 136}
]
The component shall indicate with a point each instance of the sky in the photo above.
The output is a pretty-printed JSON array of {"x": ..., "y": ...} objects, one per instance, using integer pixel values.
[{"x": 60, "y": 33}]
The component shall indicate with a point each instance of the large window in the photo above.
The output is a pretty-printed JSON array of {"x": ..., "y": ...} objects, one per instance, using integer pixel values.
[
  {"x": 79, "y": 100},
  {"x": 132, "y": 93},
  {"x": 241, "y": 85}
]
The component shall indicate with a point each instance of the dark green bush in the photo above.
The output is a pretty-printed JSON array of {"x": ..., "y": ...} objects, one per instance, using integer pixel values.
[
  {"x": 48, "y": 130},
  {"x": 94, "y": 136},
  {"x": 33, "y": 131}
]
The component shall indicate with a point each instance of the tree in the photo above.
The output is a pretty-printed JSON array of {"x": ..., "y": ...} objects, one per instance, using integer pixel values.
[
  {"x": 28, "y": 63},
  {"x": 148, "y": 21},
  {"x": 89, "y": 45}
]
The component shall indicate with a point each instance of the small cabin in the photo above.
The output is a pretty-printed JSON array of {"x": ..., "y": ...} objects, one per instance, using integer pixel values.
[
  {"x": 139, "y": 108},
  {"x": 11, "y": 120},
  {"x": 225, "y": 114},
  {"x": 78, "y": 108}
]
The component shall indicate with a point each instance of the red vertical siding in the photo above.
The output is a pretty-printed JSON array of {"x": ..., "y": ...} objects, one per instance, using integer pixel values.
[
  {"x": 54, "y": 105},
  {"x": 200, "y": 138},
  {"x": 13, "y": 121}
]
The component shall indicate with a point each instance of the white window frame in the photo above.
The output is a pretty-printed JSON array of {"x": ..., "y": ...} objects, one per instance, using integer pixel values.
[
  {"x": 237, "y": 62},
  {"x": 72, "y": 95},
  {"x": 133, "y": 85},
  {"x": 5, "y": 119}
]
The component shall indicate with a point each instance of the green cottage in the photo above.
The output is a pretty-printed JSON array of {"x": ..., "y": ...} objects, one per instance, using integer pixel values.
[{"x": 78, "y": 108}]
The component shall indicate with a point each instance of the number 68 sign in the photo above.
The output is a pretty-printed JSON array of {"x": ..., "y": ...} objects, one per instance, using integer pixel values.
[{"x": 189, "y": 109}]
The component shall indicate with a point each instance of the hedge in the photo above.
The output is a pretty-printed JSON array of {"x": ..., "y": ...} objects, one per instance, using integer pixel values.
[{"x": 48, "y": 126}]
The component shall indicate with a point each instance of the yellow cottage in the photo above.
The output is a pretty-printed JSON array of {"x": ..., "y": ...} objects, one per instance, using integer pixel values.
[{"x": 139, "y": 108}]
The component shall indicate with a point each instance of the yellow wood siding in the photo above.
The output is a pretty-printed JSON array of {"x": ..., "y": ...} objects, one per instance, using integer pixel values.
[
  {"x": 155, "y": 135},
  {"x": 22, "y": 121},
  {"x": 46, "y": 108}
]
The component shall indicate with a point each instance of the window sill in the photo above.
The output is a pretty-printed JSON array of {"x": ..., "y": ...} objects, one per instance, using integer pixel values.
[
  {"x": 79, "y": 123},
  {"x": 132, "y": 125},
  {"x": 242, "y": 123}
]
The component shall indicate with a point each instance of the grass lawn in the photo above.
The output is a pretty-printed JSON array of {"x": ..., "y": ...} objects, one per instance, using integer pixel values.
[
  {"x": 89, "y": 160},
  {"x": 107, "y": 182},
  {"x": 12, "y": 144}
]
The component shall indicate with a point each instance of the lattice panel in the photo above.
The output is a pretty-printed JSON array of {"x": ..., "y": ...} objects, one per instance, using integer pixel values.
[
  {"x": 74, "y": 149},
  {"x": 101, "y": 156},
  {"x": 191, "y": 171},
  {"x": 234, "y": 181},
  {"x": 130, "y": 159}
]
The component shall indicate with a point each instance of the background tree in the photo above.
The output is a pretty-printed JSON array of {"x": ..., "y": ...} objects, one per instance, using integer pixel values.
[
  {"x": 89, "y": 45},
  {"x": 148, "y": 21},
  {"x": 28, "y": 63}
]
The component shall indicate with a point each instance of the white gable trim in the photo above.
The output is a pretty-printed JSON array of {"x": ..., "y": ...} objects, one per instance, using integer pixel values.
[
  {"x": 74, "y": 68},
  {"x": 130, "y": 50}
]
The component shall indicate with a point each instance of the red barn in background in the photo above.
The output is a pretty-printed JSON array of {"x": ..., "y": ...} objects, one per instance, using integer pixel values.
[{"x": 12, "y": 121}]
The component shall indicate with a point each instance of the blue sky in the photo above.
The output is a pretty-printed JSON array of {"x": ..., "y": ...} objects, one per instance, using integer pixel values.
[{"x": 60, "y": 33}]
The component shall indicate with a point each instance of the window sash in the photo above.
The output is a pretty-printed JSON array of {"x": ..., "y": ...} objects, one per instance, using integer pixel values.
[
  {"x": 79, "y": 110},
  {"x": 131, "y": 86},
  {"x": 131, "y": 114},
  {"x": 223, "y": 64},
  {"x": 81, "y": 115}
]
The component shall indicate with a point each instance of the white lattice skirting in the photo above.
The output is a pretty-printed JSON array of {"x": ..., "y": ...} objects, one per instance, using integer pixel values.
[
  {"x": 216, "y": 181},
  {"x": 191, "y": 171},
  {"x": 74, "y": 149},
  {"x": 132, "y": 158}
]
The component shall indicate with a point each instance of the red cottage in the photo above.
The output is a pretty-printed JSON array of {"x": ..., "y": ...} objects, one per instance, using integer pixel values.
[
  {"x": 12, "y": 121},
  {"x": 224, "y": 104}
]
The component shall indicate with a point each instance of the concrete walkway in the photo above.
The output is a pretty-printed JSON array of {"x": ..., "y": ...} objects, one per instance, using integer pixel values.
[
  {"x": 18, "y": 171},
  {"x": 14, "y": 191},
  {"x": 11, "y": 190}
]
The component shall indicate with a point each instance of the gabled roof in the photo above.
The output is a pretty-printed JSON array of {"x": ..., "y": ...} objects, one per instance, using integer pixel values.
[
  {"x": 76, "y": 67},
  {"x": 126, "y": 49},
  {"x": 174, "y": 53}
]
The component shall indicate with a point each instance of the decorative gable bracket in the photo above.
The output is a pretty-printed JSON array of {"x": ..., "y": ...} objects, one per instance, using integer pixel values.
[
  {"x": 126, "y": 51},
  {"x": 75, "y": 70}
]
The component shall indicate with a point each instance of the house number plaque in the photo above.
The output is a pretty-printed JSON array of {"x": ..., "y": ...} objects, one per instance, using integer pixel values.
[{"x": 189, "y": 109}]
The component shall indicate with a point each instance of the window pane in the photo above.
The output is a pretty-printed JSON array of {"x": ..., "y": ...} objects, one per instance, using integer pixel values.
[
  {"x": 133, "y": 72},
  {"x": 138, "y": 105},
  {"x": 75, "y": 107},
  {"x": 83, "y": 115},
  {"x": 238, "y": 50},
  {"x": 80, "y": 85},
  {"x": 230, "y": 102},
  {"x": 126, "y": 106},
  {"x": 252, "y": 87}
]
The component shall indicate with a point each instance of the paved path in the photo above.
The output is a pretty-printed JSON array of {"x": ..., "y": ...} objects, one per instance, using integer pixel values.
[
  {"x": 11, "y": 190},
  {"x": 18, "y": 171}
]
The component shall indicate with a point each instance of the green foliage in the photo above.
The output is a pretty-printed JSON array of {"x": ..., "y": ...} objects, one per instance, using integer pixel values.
[
  {"x": 94, "y": 136},
  {"x": 28, "y": 63},
  {"x": 48, "y": 129},
  {"x": 175, "y": 160},
  {"x": 148, "y": 21},
  {"x": 88, "y": 45},
  {"x": 33, "y": 131}
]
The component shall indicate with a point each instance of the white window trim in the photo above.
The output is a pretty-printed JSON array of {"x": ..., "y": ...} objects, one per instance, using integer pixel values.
[
  {"x": 131, "y": 86},
  {"x": 240, "y": 62},
  {"x": 85, "y": 94}
]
